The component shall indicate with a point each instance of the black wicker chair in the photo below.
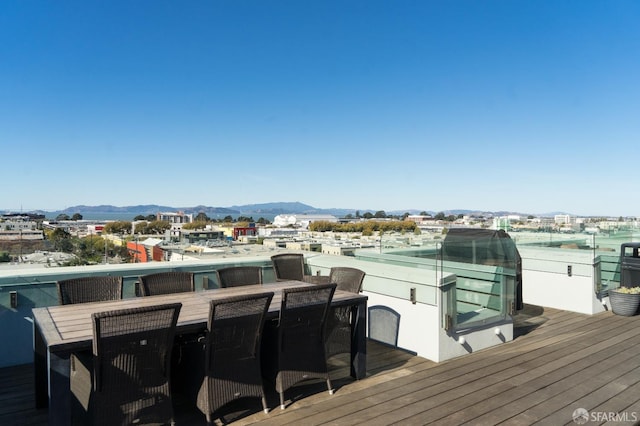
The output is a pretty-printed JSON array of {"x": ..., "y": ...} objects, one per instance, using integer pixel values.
[
  {"x": 89, "y": 289},
  {"x": 288, "y": 266},
  {"x": 301, "y": 349},
  {"x": 236, "y": 276},
  {"x": 347, "y": 279},
  {"x": 232, "y": 347},
  {"x": 339, "y": 319},
  {"x": 126, "y": 380},
  {"x": 166, "y": 283}
]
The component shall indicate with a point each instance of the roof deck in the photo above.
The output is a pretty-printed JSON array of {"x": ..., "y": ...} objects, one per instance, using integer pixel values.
[{"x": 558, "y": 362}]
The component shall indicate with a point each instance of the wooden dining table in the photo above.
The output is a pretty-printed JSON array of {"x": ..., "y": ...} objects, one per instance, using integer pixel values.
[{"x": 62, "y": 330}]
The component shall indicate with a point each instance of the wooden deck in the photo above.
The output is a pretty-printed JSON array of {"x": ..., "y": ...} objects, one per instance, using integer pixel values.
[{"x": 559, "y": 362}]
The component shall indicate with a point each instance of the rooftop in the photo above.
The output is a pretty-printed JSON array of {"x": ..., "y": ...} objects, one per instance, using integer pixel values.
[{"x": 558, "y": 362}]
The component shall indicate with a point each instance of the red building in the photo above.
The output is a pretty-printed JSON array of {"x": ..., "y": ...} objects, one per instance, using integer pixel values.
[{"x": 251, "y": 232}]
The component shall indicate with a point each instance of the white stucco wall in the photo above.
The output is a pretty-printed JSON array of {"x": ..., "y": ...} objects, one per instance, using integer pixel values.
[{"x": 546, "y": 281}]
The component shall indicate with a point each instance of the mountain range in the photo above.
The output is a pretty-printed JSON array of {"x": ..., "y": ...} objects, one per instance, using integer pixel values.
[{"x": 256, "y": 210}]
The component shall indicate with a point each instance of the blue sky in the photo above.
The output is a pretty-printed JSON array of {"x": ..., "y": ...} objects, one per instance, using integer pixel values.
[{"x": 527, "y": 106}]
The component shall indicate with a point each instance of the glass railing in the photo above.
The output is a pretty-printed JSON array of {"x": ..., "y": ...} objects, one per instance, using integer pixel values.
[
  {"x": 22, "y": 289},
  {"x": 493, "y": 293},
  {"x": 486, "y": 274},
  {"x": 489, "y": 276},
  {"x": 601, "y": 252}
]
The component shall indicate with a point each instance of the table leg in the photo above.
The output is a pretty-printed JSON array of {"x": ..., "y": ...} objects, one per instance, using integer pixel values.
[
  {"x": 59, "y": 389},
  {"x": 40, "y": 368},
  {"x": 359, "y": 341}
]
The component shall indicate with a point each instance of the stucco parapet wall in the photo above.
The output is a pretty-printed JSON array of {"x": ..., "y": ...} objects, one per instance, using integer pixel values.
[{"x": 555, "y": 260}]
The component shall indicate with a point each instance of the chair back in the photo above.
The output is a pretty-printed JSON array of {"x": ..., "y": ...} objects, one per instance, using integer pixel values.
[
  {"x": 89, "y": 289},
  {"x": 235, "y": 328},
  {"x": 347, "y": 279},
  {"x": 383, "y": 324},
  {"x": 288, "y": 266},
  {"x": 132, "y": 358},
  {"x": 301, "y": 334},
  {"x": 166, "y": 283},
  {"x": 236, "y": 276},
  {"x": 232, "y": 351},
  {"x": 303, "y": 314}
]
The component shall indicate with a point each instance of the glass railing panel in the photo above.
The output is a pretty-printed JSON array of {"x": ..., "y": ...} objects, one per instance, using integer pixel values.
[
  {"x": 485, "y": 263},
  {"x": 22, "y": 289},
  {"x": 17, "y": 327},
  {"x": 595, "y": 253},
  {"x": 485, "y": 270},
  {"x": 616, "y": 254}
]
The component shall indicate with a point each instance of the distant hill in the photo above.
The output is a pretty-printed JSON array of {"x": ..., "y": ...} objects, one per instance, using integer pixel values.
[
  {"x": 258, "y": 210},
  {"x": 145, "y": 209},
  {"x": 275, "y": 208},
  {"x": 264, "y": 209}
]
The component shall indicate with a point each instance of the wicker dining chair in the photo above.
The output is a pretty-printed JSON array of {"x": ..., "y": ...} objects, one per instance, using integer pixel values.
[
  {"x": 338, "y": 333},
  {"x": 236, "y": 276},
  {"x": 301, "y": 337},
  {"x": 126, "y": 378},
  {"x": 288, "y": 266},
  {"x": 166, "y": 283},
  {"x": 232, "y": 352},
  {"x": 89, "y": 289}
]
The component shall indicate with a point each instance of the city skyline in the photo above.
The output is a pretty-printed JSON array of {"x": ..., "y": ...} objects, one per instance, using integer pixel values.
[{"x": 378, "y": 105}]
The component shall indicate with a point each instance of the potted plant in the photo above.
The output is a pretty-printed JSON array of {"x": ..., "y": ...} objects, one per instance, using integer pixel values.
[{"x": 624, "y": 300}]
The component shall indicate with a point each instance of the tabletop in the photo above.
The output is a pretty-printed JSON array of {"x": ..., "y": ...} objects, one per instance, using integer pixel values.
[{"x": 67, "y": 327}]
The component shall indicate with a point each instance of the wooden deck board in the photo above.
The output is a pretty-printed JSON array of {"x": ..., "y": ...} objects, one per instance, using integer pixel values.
[{"x": 560, "y": 361}]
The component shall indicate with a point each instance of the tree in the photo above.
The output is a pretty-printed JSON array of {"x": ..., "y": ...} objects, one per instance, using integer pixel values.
[
  {"x": 405, "y": 216},
  {"x": 62, "y": 216},
  {"x": 380, "y": 214},
  {"x": 367, "y": 215},
  {"x": 141, "y": 227},
  {"x": 423, "y": 213},
  {"x": 227, "y": 218},
  {"x": 439, "y": 216},
  {"x": 155, "y": 227},
  {"x": 118, "y": 227},
  {"x": 61, "y": 240},
  {"x": 90, "y": 249},
  {"x": 76, "y": 216},
  {"x": 367, "y": 229},
  {"x": 158, "y": 227},
  {"x": 357, "y": 214},
  {"x": 263, "y": 221},
  {"x": 201, "y": 217},
  {"x": 148, "y": 218},
  {"x": 198, "y": 224}
]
